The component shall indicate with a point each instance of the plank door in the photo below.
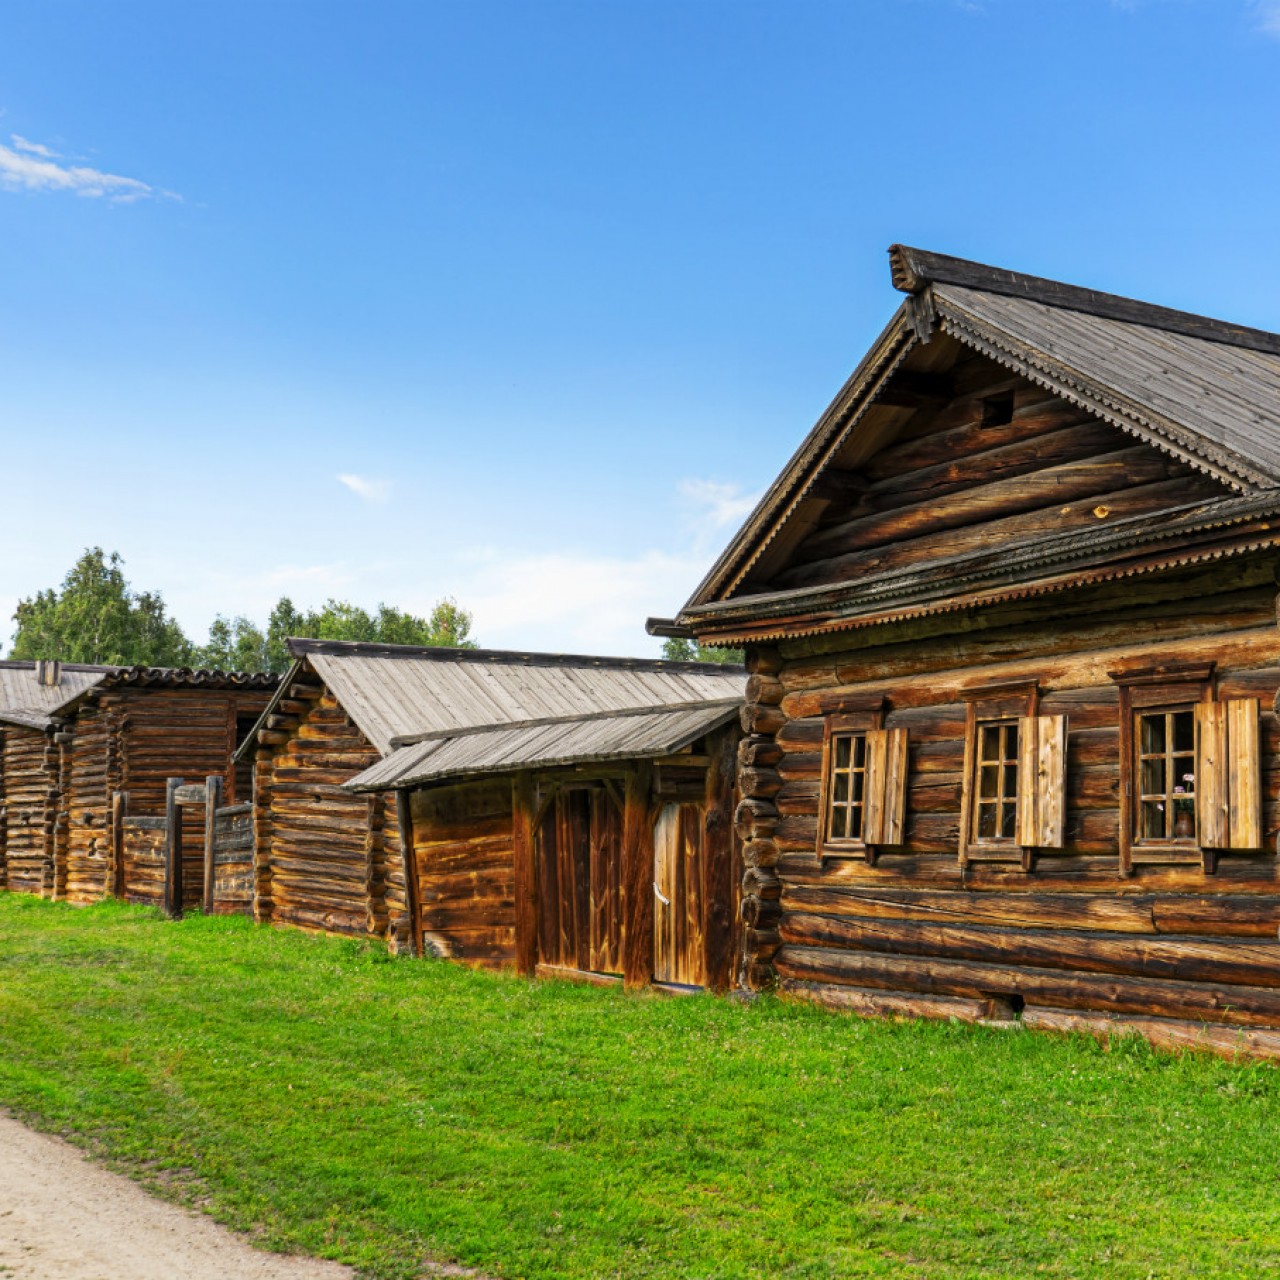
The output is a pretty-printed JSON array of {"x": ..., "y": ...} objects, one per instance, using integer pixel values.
[
  {"x": 679, "y": 944},
  {"x": 579, "y": 851}
]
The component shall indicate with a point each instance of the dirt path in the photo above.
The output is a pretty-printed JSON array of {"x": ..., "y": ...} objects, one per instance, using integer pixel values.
[{"x": 63, "y": 1218}]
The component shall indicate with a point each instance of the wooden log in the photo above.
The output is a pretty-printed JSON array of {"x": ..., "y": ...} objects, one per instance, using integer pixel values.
[
  {"x": 1244, "y": 962},
  {"x": 763, "y": 660},
  {"x": 868, "y": 1002},
  {"x": 759, "y": 752},
  {"x": 1247, "y": 1006},
  {"x": 1235, "y": 1043},
  {"x": 173, "y": 851},
  {"x": 272, "y": 738},
  {"x": 759, "y": 783},
  {"x": 765, "y": 690},
  {"x": 764, "y": 720}
]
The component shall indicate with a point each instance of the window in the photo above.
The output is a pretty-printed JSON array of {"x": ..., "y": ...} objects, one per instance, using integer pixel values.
[
  {"x": 864, "y": 784},
  {"x": 1166, "y": 774},
  {"x": 996, "y": 813},
  {"x": 1014, "y": 797},
  {"x": 1190, "y": 768},
  {"x": 848, "y": 786}
]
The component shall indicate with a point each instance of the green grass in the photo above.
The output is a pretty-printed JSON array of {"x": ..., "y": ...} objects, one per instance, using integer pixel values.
[{"x": 383, "y": 1112}]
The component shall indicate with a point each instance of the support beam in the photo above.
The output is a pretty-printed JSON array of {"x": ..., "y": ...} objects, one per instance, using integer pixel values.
[
  {"x": 523, "y": 804},
  {"x": 172, "y": 851},
  {"x": 637, "y": 876},
  {"x": 213, "y": 802},
  {"x": 404, "y": 817}
]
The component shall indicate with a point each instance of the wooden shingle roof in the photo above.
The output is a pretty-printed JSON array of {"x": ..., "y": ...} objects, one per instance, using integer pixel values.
[{"x": 1204, "y": 391}]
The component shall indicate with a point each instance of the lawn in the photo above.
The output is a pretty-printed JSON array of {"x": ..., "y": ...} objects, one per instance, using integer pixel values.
[{"x": 383, "y": 1112}]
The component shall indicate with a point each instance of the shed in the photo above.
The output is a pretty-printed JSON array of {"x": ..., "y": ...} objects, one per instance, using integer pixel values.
[
  {"x": 31, "y": 695},
  {"x": 513, "y": 772},
  {"x": 125, "y": 736},
  {"x": 1010, "y": 618}
]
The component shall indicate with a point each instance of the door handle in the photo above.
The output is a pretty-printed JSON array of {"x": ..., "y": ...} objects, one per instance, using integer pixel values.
[{"x": 666, "y": 902}]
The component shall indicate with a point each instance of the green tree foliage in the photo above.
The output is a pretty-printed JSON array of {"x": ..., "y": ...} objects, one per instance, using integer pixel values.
[
  {"x": 677, "y": 649},
  {"x": 97, "y": 617},
  {"x": 240, "y": 645}
]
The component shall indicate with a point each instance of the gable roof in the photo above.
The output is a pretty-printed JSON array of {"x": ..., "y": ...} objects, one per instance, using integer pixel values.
[
  {"x": 139, "y": 677},
  {"x": 1202, "y": 390},
  {"x": 26, "y": 701},
  {"x": 399, "y": 691}
]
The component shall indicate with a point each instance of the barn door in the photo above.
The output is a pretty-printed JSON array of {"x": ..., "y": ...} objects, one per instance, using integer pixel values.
[
  {"x": 579, "y": 856},
  {"x": 679, "y": 945}
]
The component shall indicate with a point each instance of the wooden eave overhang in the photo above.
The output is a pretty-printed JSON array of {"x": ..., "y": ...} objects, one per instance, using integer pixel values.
[{"x": 1137, "y": 545}]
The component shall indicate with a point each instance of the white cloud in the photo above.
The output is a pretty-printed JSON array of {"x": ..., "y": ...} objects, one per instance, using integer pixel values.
[
  {"x": 718, "y": 509},
  {"x": 28, "y": 166},
  {"x": 32, "y": 148},
  {"x": 575, "y": 602},
  {"x": 369, "y": 490},
  {"x": 1267, "y": 17}
]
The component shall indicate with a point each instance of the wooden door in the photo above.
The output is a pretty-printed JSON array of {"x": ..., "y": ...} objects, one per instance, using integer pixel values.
[
  {"x": 579, "y": 855},
  {"x": 679, "y": 942}
]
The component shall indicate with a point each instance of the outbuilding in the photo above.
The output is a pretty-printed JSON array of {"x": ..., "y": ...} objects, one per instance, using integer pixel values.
[{"x": 505, "y": 808}]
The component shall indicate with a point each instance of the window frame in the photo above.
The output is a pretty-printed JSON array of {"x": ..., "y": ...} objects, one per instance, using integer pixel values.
[
  {"x": 852, "y": 718},
  {"x": 1143, "y": 691},
  {"x": 985, "y": 706}
]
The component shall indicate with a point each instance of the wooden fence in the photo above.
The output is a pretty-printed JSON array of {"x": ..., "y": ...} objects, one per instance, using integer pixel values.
[{"x": 172, "y": 863}]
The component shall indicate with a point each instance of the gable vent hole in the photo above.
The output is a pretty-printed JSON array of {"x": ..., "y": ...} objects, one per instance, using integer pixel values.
[{"x": 997, "y": 410}]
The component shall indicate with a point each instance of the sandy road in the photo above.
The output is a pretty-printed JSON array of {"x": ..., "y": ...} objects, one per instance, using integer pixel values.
[{"x": 63, "y": 1218}]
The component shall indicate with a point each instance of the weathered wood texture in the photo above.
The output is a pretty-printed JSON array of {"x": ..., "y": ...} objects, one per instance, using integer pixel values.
[
  {"x": 142, "y": 860},
  {"x": 326, "y": 859},
  {"x": 233, "y": 860},
  {"x": 1071, "y": 919},
  {"x": 466, "y": 873},
  {"x": 134, "y": 740},
  {"x": 28, "y": 809}
]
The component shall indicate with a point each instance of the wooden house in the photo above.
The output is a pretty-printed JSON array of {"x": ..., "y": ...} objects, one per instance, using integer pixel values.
[
  {"x": 124, "y": 738},
  {"x": 530, "y": 786},
  {"x": 1010, "y": 619},
  {"x": 31, "y": 694}
]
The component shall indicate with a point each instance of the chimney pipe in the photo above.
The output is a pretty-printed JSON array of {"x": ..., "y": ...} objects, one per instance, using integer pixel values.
[{"x": 49, "y": 672}]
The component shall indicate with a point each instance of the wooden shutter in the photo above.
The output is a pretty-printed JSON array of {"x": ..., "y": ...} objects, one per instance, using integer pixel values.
[
  {"x": 885, "y": 816},
  {"x": 1228, "y": 774},
  {"x": 1042, "y": 781}
]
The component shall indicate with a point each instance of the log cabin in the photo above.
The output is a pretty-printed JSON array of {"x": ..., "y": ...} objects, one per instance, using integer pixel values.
[
  {"x": 31, "y": 695},
  {"x": 1010, "y": 619},
  {"x": 123, "y": 738},
  {"x": 479, "y": 804}
]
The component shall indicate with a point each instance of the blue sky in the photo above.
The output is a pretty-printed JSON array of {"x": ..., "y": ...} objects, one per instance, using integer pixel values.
[{"x": 525, "y": 303}]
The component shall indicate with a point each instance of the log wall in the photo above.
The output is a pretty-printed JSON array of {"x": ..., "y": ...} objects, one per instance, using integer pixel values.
[
  {"x": 325, "y": 859},
  {"x": 28, "y": 808},
  {"x": 463, "y": 849},
  {"x": 133, "y": 740},
  {"x": 1175, "y": 940}
]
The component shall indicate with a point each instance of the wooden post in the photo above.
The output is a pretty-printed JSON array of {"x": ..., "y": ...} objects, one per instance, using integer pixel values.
[
  {"x": 119, "y": 807},
  {"x": 637, "y": 876},
  {"x": 722, "y": 874},
  {"x": 172, "y": 850},
  {"x": 523, "y": 802},
  {"x": 404, "y": 817},
  {"x": 212, "y": 802}
]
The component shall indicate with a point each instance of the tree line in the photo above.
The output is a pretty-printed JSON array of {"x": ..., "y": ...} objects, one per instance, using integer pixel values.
[{"x": 97, "y": 617}]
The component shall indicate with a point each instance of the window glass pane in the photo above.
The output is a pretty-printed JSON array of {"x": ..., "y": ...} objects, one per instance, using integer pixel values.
[
  {"x": 858, "y": 779},
  {"x": 855, "y": 823},
  {"x": 986, "y": 821},
  {"x": 1010, "y": 781},
  {"x": 1152, "y": 782},
  {"x": 1184, "y": 731},
  {"x": 989, "y": 740},
  {"x": 1151, "y": 734},
  {"x": 839, "y": 824},
  {"x": 860, "y": 752},
  {"x": 988, "y": 781},
  {"x": 840, "y": 788},
  {"x": 1007, "y": 826},
  {"x": 1011, "y": 742},
  {"x": 842, "y": 753},
  {"x": 1152, "y": 820}
]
